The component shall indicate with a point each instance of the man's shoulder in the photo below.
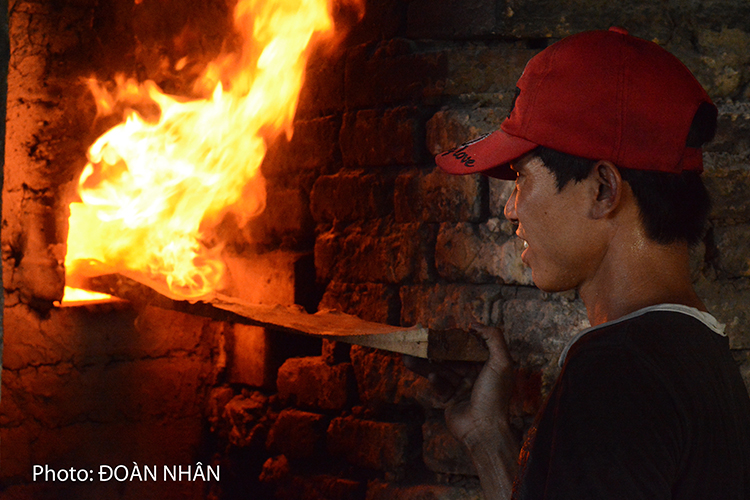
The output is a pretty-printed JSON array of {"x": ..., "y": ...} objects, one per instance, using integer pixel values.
[
  {"x": 661, "y": 330},
  {"x": 658, "y": 347}
]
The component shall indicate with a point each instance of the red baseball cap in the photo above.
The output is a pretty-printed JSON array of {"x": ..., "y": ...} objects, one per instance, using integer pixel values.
[{"x": 601, "y": 95}]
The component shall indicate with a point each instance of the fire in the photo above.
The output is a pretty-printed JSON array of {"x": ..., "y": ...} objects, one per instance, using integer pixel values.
[{"x": 153, "y": 186}]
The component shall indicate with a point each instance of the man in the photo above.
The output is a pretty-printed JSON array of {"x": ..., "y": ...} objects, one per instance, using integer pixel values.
[{"x": 604, "y": 144}]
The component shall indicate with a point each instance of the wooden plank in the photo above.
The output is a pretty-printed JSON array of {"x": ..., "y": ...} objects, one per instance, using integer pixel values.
[{"x": 416, "y": 340}]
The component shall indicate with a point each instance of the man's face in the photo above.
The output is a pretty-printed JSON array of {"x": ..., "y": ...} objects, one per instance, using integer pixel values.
[{"x": 554, "y": 225}]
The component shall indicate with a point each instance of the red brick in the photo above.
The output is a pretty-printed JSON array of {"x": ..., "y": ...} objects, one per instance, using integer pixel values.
[
  {"x": 727, "y": 179},
  {"x": 481, "y": 253},
  {"x": 649, "y": 20},
  {"x": 383, "y": 380},
  {"x": 311, "y": 383},
  {"x": 450, "y": 306},
  {"x": 371, "y": 138},
  {"x": 732, "y": 131},
  {"x": 371, "y": 301},
  {"x": 538, "y": 329},
  {"x": 217, "y": 401},
  {"x": 376, "y": 21},
  {"x": 323, "y": 89},
  {"x": 374, "y": 445},
  {"x": 251, "y": 357},
  {"x": 490, "y": 72},
  {"x": 247, "y": 421},
  {"x": 473, "y": 18},
  {"x": 275, "y": 470},
  {"x": 500, "y": 191},
  {"x": 535, "y": 19},
  {"x": 392, "y": 72},
  {"x": 334, "y": 352},
  {"x": 449, "y": 128},
  {"x": 377, "y": 251},
  {"x": 731, "y": 244},
  {"x": 312, "y": 147},
  {"x": 297, "y": 434},
  {"x": 349, "y": 196},
  {"x": 286, "y": 220},
  {"x": 436, "y": 197},
  {"x": 265, "y": 278},
  {"x": 328, "y": 246}
]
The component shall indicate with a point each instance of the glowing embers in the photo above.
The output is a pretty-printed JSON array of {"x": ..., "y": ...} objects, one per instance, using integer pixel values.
[
  {"x": 78, "y": 297},
  {"x": 154, "y": 188}
]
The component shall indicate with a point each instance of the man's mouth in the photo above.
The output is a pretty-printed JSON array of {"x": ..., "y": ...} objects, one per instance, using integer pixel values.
[
  {"x": 518, "y": 235},
  {"x": 525, "y": 251}
]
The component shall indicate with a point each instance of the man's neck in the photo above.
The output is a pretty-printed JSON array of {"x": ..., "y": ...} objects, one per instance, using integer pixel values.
[{"x": 638, "y": 275}]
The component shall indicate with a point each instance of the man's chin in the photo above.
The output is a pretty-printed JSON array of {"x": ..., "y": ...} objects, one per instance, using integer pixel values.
[{"x": 547, "y": 285}]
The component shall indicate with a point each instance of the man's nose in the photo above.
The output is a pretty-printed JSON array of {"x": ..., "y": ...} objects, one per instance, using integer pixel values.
[{"x": 510, "y": 207}]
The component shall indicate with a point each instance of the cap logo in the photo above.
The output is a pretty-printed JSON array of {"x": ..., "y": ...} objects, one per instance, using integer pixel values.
[
  {"x": 461, "y": 156},
  {"x": 459, "y": 152}
]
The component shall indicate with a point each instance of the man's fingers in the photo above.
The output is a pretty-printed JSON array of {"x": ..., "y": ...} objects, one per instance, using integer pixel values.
[
  {"x": 496, "y": 344},
  {"x": 451, "y": 391},
  {"x": 450, "y": 380}
]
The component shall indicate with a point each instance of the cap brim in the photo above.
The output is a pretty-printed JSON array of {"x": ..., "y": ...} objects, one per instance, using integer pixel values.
[{"x": 490, "y": 154}]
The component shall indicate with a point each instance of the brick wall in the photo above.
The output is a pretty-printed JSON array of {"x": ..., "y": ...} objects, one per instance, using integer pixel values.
[
  {"x": 358, "y": 217},
  {"x": 397, "y": 241}
]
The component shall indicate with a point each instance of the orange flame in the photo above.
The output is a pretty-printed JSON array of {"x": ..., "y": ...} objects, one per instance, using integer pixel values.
[{"x": 151, "y": 187}]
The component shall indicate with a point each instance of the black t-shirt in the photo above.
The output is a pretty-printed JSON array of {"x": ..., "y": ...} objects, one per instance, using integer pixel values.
[{"x": 652, "y": 407}]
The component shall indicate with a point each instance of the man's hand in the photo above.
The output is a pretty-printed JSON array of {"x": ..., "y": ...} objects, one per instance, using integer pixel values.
[
  {"x": 475, "y": 419},
  {"x": 476, "y": 410},
  {"x": 475, "y": 397}
]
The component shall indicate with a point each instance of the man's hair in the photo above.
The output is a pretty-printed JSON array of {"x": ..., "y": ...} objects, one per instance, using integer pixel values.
[{"x": 673, "y": 207}]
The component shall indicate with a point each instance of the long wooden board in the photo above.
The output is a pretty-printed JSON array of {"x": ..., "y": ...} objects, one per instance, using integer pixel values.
[{"x": 415, "y": 341}]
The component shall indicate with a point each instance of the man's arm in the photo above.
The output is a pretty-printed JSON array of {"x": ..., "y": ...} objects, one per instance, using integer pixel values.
[{"x": 477, "y": 411}]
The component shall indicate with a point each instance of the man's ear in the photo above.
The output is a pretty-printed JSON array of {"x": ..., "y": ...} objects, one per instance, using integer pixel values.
[{"x": 609, "y": 185}]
